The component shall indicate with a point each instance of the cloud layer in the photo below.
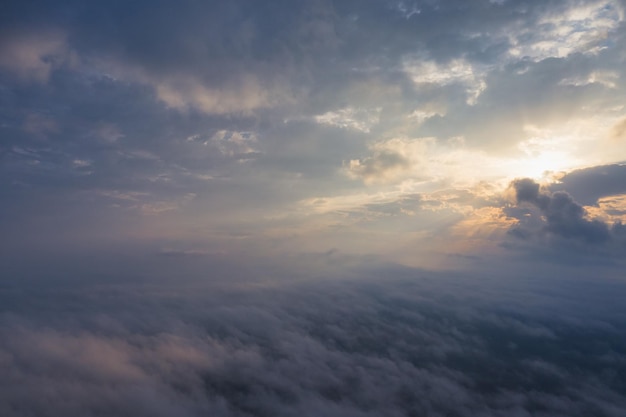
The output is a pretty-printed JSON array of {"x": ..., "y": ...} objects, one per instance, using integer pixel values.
[{"x": 416, "y": 342}]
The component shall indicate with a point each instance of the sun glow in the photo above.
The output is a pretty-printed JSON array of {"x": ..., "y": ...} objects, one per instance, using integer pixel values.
[
  {"x": 541, "y": 165},
  {"x": 547, "y": 151}
]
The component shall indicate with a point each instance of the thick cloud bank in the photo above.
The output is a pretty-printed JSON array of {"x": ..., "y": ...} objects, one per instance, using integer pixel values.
[
  {"x": 561, "y": 219},
  {"x": 400, "y": 343},
  {"x": 564, "y": 217}
]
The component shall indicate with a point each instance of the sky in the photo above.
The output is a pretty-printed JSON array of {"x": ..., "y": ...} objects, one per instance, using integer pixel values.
[{"x": 377, "y": 200}]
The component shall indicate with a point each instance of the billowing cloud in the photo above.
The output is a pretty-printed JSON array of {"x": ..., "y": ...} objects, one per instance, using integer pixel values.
[{"x": 561, "y": 217}]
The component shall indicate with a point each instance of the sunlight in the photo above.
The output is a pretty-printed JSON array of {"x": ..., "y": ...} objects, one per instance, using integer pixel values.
[
  {"x": 547, "y": 151},
  {"x": 539, "y": 166}
]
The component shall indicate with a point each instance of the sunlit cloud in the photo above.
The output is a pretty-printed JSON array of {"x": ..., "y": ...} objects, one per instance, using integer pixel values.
[
  {"x": 583, "y": 28},
  {"x": 234, "y": 143},
  {"x": 351, "y": 118},
  {"x": 612, "y": 209},
  {"x": 425, "y": 73},
  {"x": 242, "y": 98},
  {"x": 606, "y": 78}
]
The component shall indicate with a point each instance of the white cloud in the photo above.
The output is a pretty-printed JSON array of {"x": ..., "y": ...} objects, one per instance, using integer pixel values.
[
  {"x": 81, "y": 163},
  {"x": 234, "y": 143},
  {"x": 583, "y": 28},
  {"x": 347, "y": 203},
  {"x": 608, "y": 79},
  {"x": 351, "y": 118},
  {"x": 421, "y": 115},
  {"x": 458, "y": 71},
  {"x": 188, "y": 93},
  {"x": 391, "y": 160}
]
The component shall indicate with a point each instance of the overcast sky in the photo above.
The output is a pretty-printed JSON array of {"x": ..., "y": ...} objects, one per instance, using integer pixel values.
[
  {"x": 253, "y": 143},
  {"x": 387, "y": 128}
]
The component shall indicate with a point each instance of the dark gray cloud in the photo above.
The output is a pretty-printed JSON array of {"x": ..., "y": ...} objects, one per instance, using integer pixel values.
[
  {"x": 564, "y": 217},
  {"x": 588, "y": 185},
  {"x": 552, "y": 227}
]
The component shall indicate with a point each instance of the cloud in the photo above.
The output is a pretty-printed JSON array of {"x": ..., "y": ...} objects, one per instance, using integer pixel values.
[
  {"x": 33, "y": 56},
  {"x": 391, "y": 160},
  {"x": 415, "y": 342},
  {"x": 619, "y": 130},
  {"x": 582, "y": 27},
  {"x": 379, "y": 167},
  {"x": 235, "y": 143},
  {"x": 246, "y": 97},
  {"x": 562, "y": 217},
  {"x": 358, "y": 119},
  {"x": 424, "y": 73},
  {"x": 173, "y": 252},
  {"x": 588, "y": 185},
  {"x": 144, "y": 202}
]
